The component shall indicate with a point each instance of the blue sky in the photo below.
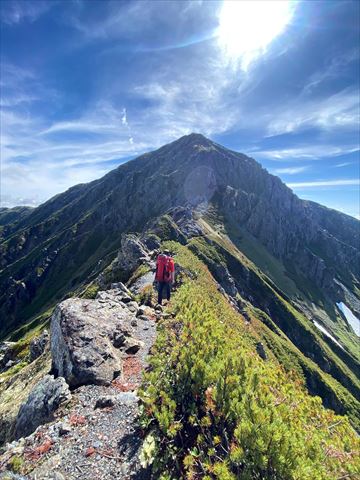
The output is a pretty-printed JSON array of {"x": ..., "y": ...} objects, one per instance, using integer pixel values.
[{"x": 88, "y": 84}]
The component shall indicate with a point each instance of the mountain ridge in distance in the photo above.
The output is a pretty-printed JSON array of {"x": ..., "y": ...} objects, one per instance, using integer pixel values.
[{"x": 300, "y": 251}]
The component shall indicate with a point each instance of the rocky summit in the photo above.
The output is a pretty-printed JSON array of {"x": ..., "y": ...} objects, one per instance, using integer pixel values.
[{"x": 250, "y": 371}]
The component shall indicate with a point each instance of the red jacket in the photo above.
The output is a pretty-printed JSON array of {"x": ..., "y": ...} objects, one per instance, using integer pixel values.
[{"x": 165, "y": 269}]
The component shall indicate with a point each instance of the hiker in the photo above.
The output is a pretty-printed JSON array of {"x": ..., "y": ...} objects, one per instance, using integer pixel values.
[{"x": 165, "y": 274}]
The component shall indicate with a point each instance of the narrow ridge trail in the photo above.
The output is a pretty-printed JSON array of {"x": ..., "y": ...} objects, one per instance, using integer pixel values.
[{"x": 96, "y": 436}]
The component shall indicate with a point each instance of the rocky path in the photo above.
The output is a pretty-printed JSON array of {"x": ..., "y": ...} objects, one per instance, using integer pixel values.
[{"x": 96, "y": 435}]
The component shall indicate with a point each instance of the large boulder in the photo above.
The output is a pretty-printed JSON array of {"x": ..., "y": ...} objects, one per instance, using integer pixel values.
[
  {"x": 132, "y": 253},
  {"x": 39, "y": 408},
  {"x": 85, "y": 336}
]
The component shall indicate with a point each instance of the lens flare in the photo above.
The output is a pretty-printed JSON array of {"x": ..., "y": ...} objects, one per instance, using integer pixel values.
[{"x": 247, "y": 27}]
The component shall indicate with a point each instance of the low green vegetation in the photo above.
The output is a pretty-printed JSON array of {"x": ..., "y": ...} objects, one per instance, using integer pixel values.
[
  {"x": 13, "y": 370},
  {"x": 146, "y": 296},
  {"x": 90, "y": 291},
  {"x": 292, "y": 323},
  {"x": 139, "y": 272},
  {"x": 215, "y": 410},
  {"x": 16, "y": 464}
]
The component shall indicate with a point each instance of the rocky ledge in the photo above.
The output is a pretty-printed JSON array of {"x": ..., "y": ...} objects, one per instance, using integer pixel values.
[{"x": 88, "y": 408}]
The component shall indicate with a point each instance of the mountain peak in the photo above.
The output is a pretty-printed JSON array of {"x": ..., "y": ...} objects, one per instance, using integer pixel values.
[{"x": 194, "y": 139}]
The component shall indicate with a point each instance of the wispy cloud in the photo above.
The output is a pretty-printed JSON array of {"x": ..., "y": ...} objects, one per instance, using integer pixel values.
[
  {"x": 343, "y": 164},
  {"x": 289, "y": 170},
  {"x": 331, "y": 71},
  {"x": 325, "y": 183},
  {"x": 147, "y": 73},
  {"x": 340, "y": 110},
  {"x": 16, "y": 11},
  {"x": 308, "y": 152}
]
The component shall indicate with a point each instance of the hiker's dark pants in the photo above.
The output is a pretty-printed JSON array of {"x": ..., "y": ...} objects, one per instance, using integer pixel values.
[{"x": 161, "y": 286}]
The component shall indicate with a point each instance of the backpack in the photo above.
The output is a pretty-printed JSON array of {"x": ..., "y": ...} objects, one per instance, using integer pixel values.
[{"x": 164, "y": 268}]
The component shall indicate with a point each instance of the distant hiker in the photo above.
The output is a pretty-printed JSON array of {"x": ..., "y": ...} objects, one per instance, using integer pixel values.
[{"x": 165, "y": 274}]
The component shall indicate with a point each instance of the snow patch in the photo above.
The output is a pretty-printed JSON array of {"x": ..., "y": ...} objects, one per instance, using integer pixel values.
[
  {"x": 325, "y": 332},
  {"x": 350, "y": 317}
]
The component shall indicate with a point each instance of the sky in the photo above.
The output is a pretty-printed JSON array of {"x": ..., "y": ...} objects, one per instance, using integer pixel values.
[{"x": 88, "y": 84}]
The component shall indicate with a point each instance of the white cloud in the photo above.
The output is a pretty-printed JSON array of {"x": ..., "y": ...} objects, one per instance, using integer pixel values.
[
  {"x": 331, "y": 71},
  {"x": 325, "y": 183},
  {"x": 344, "y": 164},
  {"x": 311, "y": 152},
  {"x": 340, "y": 110},
  {"x": 289, "y": 170},
  {"x": 123, "y": 118},
  {"x": 193, "y": 91}
]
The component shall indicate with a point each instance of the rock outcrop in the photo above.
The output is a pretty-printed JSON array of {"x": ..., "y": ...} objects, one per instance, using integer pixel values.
[
  {"x": 6, "y": 354},
  {"x": 132, "y": 253},
  {"x": 89, "y": 337},
  {"x": 38, "y": 345},
  {"x": 43, "y": 401}
]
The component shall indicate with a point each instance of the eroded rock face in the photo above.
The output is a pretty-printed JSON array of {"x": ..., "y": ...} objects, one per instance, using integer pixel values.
[
  {"x": 132, "y": 253},
  {"x": 38, "y": 345},
  {"x": 43, "y": 400},
  {"x": 6, "y": 353},
  {"x": 88, "y": 338},
  {"x": 184, "y": 219}
]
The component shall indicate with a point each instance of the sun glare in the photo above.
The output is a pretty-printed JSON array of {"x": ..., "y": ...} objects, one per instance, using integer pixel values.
[{"x": 247, "y": 27}]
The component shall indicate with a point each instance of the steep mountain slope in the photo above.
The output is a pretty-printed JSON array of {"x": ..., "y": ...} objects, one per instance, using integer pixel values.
[
  {"x": 10, "y": 215},
  {"x": 224, "y": 397},
  {"x": 291, "y": 259}
]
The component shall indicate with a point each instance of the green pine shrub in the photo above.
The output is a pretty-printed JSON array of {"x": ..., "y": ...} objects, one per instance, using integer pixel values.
[{"x": 215, "y": 410}]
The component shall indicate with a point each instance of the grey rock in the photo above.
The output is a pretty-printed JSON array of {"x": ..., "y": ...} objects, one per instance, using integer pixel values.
[
  {"x": 151, "y": 241},
  {"x": 82, "y": 341},
  {"x": 226, "y": 281},
  {"x": 126, "y": 299},
  {"x": 127, "y": 397},
  {"x": 56, "y": 476},
  {"x": 184, "y": 218},
  {"x": 261, "y": 351},
  {"x": 8, "y": 475},
  {"x": 121, "y": 287},
  {"x": 132, "y": 345},
  {"x": 42, "y": 402},
  {"x": 132, "y": 250},
  {"x": 105, "y": 401},
  {"x": 38, "y": 345},
  {"x": 119, "y": 339},
  {"x": 142, "y": 282},
  {"x": 133, "y": 306},
  {"x": 6, "y": 354},
  {"x": 141, "y": 310},
  {"x": 64, "y": 428}
]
